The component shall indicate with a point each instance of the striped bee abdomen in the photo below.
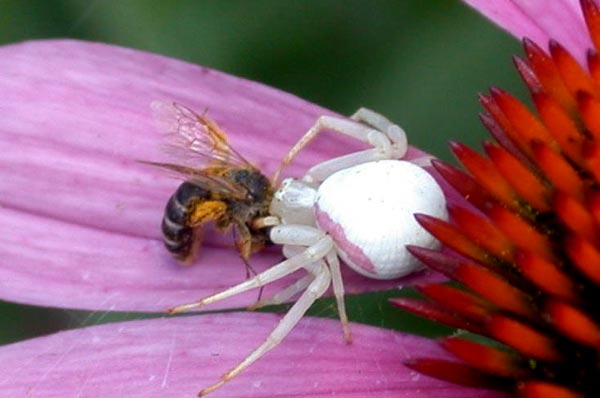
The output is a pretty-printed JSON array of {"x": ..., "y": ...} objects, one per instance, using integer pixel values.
[{"x": 178, "y": 234}]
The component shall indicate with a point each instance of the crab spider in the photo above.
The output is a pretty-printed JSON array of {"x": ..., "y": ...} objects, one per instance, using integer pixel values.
[{"x": 358, "y": 207}]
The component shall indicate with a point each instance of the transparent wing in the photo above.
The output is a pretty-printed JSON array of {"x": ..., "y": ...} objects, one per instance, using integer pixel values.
[
  {"x": 194, "y": 139},
  {"x": 212, "y": 182}
]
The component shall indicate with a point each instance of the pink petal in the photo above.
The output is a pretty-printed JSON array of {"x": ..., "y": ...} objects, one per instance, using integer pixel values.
[
  {"x": 177, "y": 357},
  {"x": 79, "y": 216},
  {"x": 540, "y": 21}
]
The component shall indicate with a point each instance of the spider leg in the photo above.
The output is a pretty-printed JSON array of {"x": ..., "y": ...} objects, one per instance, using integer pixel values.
[
  {"x": 315, "y": 251},
  {"x": 315, "y": 290},
  {"x": 285, "y": 294},
  {"x": 391, "y": 141},
  {"x": 424, "y": 161},
  {"x": 298, "y": 286},
  {"x": 383, "y": 124},
  {"x": 393, "y": 131},
  {"x": 338, "y": 292},
  {"x": 321, "y": 171}
]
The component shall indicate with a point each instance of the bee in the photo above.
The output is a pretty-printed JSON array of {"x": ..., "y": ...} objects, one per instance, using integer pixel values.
[{"x": 221, "y": 186}]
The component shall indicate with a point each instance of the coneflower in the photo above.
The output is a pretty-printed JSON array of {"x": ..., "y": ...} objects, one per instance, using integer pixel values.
[{"x": 525, "y": 255}]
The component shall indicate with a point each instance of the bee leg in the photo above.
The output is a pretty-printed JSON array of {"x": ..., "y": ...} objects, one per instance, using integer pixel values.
[{"x": 243, "y": 243}]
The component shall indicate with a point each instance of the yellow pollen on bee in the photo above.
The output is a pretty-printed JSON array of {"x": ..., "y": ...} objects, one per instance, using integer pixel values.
[{"x": 208, "y": 210}]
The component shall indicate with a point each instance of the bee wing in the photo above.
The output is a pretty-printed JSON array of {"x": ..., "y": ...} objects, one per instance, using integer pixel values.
[
  {"x": 194, "y": 139},
  {"x": 211, "y": 182}
]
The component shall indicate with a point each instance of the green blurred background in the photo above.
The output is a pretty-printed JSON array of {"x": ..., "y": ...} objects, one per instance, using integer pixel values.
[{"x": 421, "y": 63}]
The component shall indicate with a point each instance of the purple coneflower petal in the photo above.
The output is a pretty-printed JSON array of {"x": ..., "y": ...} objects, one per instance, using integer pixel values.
[
  {"x": 540, "y": 21},
  {"x": 80, "y": 217},
  {"x": 177, "y": 357}
]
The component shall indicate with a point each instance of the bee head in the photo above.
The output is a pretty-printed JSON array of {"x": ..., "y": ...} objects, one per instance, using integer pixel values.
[{"x": 257, "y": 185}]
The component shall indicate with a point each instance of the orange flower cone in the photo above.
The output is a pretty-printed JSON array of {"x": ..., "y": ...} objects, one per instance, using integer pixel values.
[{"x": 525, "y": 255}]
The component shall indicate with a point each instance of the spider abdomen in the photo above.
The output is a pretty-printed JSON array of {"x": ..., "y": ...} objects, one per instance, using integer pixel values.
[{"x": 369, "y": 209}]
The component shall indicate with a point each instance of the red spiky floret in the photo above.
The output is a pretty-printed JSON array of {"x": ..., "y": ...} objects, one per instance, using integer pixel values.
[{"x": 525, "y": 257}]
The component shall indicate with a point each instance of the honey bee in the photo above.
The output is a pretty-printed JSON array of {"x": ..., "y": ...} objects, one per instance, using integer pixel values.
[{"x": 221, "y": 186}]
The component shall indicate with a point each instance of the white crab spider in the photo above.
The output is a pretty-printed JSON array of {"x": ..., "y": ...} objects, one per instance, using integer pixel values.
[{"x": 358, "y": 207}]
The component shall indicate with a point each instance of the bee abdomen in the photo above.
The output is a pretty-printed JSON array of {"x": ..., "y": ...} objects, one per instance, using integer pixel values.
[{"x": 178, "y": 235}]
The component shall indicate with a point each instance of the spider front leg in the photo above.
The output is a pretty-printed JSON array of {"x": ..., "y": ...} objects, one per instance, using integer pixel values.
[
  {"x": 376, "y": 120},
  {"x": 388, "y": 141},
  {"x": 395, "y": 132},
  {"x": 318, "y": 245}
]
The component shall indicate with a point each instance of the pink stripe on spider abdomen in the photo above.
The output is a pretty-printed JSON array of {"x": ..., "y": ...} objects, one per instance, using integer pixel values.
[{"x": 352, "y": 251}]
